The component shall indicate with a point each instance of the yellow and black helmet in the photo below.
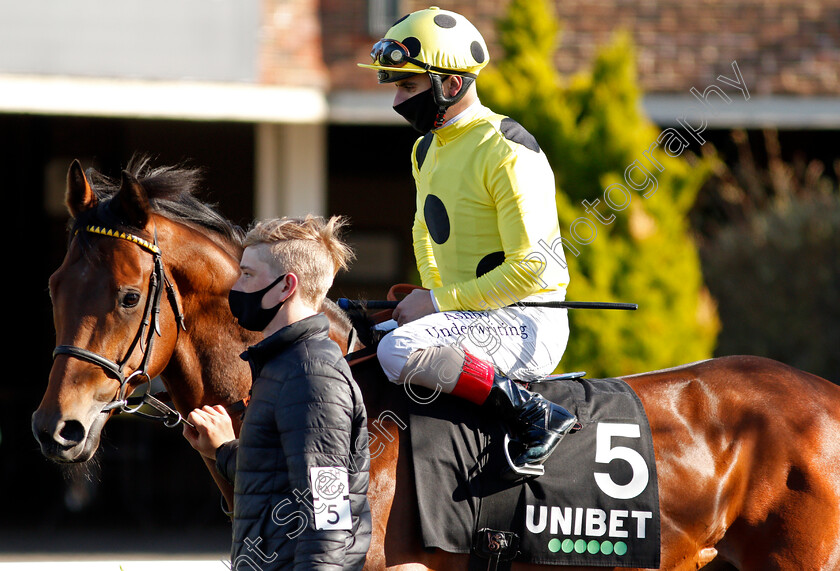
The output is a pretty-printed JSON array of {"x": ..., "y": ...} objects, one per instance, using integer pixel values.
[{"x": 431, "y": 40}]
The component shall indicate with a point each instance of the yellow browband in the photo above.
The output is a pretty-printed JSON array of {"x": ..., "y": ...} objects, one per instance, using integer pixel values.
[{"x": 123, "y": 236}]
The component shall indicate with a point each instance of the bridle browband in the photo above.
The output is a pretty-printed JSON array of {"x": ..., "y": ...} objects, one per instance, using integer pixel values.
[{"x": 149, "y": 329}]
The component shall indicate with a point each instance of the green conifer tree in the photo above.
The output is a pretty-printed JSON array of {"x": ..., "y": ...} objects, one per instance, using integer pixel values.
[{"x": 592, "y": 128}]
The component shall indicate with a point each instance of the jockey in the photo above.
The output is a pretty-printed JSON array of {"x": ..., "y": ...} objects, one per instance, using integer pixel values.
[{"x": 485, "y": 235}]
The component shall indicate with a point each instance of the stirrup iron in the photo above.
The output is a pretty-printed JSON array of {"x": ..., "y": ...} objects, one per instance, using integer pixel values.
[{"x": 515, "y": 472}]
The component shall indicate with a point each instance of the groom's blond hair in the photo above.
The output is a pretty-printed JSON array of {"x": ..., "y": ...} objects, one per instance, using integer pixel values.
[{"x": 312, "y": 248}]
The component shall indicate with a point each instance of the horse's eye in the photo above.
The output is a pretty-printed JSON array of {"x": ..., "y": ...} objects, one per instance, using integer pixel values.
[{"x": 131, "y": 299}]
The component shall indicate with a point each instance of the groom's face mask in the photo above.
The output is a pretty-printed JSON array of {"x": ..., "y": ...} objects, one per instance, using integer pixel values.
[{"x": 248, "y": 310}]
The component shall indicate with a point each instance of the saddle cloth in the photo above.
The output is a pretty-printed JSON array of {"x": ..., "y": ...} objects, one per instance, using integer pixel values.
[{"x": 596, "y": 505}]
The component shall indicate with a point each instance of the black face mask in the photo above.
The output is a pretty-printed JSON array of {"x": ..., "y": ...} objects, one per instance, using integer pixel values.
[
  {"x": 248, "y": 310},
  {"x": 419, "y": 110}
]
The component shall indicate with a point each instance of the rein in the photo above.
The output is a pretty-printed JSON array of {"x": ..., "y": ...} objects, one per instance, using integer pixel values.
[{"x": 149, "y": 329}]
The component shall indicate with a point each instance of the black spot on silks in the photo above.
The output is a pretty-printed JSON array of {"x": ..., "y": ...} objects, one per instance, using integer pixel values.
[
  {"x": 477, "y": 51},
  {"x": 413, "y": 45},
  {"x": 515, "y": 132},
  {"x": 437, "y": 219},
  {"x": 422, "y": 149},
  {"x": 400, "y": 20},
  {"x": 488, "y": 263},
  {"x": 445, "y": 21}
]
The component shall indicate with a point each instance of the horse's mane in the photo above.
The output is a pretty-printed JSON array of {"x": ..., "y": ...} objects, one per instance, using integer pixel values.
[
  {"x": 171, "y": 191},
  {"x": 337, "y": 316}
]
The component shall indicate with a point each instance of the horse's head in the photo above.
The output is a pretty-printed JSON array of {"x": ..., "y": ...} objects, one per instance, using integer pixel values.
[
  {"x": 107, "y": 307},
  {"x": 118, "y": 324}
]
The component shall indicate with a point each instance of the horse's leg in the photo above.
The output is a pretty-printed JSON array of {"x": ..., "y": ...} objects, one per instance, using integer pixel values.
[{"x": 225, "y": 488}]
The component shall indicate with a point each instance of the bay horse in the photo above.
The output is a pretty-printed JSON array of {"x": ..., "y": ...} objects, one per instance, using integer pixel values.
[{"x": 747, "y": 449}]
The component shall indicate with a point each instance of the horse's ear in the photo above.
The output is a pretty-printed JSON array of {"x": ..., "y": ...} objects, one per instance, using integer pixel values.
[
  {"x": 131, "y": 203},
  {"x": 79, "y": 196}
]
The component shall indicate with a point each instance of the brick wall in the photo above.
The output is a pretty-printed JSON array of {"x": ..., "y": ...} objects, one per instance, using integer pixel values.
[
  {"x": 347, "y": 42},
  {"x": 781, "y": 46},
  {"x": 291, "y": 45}
]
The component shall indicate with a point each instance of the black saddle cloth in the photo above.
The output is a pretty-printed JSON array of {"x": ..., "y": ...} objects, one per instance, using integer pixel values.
[{"x": 596, "y": 505}]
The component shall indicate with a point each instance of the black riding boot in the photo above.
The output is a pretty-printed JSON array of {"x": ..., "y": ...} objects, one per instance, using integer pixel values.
[{"x": 536, "y": 424}]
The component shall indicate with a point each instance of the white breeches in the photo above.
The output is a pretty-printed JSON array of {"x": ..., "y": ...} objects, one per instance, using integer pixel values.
[{"x": 523, "y": 343}]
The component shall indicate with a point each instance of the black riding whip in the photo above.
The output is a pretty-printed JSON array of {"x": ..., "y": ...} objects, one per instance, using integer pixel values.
[{"x": 345, "y": 304}]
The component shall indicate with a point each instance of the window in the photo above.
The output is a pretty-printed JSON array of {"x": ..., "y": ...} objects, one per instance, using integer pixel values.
[{"x": 381, "y": 16}]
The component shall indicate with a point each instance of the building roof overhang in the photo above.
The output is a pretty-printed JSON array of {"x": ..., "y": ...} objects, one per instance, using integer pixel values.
[
  {"x": 147, "y": 99},
  {"x": 245, "y": 102}
]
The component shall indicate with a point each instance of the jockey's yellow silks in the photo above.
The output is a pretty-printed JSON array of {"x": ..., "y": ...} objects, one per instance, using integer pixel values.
[{"x": 484, "y": 201}]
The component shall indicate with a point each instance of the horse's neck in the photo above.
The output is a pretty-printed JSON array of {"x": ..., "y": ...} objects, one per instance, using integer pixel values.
[{"x": 205, "y": 367}]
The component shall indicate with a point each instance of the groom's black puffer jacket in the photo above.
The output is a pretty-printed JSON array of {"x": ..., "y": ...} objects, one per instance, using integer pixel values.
[{"x": 305, "y": 411}]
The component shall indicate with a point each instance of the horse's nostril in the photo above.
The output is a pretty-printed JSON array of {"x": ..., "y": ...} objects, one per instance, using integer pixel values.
[{"x": 72, "y": 432}]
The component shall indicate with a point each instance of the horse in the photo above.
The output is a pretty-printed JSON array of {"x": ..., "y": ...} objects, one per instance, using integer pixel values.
[{"x": 747, "y": 453}]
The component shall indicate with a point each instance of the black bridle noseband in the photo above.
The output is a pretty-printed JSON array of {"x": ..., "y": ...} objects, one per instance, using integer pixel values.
[{"x": 149, "y": 329}]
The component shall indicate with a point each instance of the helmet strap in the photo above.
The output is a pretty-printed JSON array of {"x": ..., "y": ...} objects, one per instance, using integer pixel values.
[{"x": 444, "y": 101}]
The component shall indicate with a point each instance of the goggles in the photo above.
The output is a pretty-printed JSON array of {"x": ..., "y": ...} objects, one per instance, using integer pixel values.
[{"x": 391, "y": 53}]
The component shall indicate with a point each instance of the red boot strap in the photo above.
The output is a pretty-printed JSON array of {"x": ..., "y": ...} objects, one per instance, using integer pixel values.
[{"x": 475, "y": 381}]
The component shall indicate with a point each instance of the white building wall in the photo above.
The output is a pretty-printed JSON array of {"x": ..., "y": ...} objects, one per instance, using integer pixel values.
[{"x": 203, "y": 40}]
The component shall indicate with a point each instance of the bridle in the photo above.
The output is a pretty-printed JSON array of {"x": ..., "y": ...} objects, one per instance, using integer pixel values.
[{"x": 149, "y": 329}]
